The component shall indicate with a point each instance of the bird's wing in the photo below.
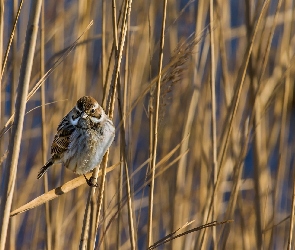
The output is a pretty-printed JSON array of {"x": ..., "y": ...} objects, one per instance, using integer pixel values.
[{"x": 62, "y": 138}]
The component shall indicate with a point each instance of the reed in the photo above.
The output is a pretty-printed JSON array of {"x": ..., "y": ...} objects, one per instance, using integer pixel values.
[{"x": 202, "y": 97}]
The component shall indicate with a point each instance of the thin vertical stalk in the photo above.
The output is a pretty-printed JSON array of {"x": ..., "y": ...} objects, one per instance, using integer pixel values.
[
  {"x": 123, "y": 150},
  {"x": 91, "y": 239},
  {"x": 12, "y": 233},
  {"x": 123, "y": 153},
  {"x": 123, "y": 158},
  {"x": 111, "y": 100},
  {"x": 213, "y": 117},
  {"x": 16, "y": 12},
  {"x": 130, "y": 214},
  {"x": 278, "y": 187},
  {"x": 155, "y": 140},
  {"x": 151, "y": 101},
  {"x": 86, "y": 222},
  {"x": 233, "y": 110},
  {"x": 2, "y": 65},
  {"x": 44, "y": 141},
  {"x": 15, "y": 140},
  {"x": 151, "y": 132},
  {"x": 183, "y": 162},
  {"x": 85, "y": 229}
]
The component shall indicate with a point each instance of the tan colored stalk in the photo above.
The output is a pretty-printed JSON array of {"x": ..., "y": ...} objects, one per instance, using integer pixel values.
[
  {"x": 188, "y": 127},
  {"x": 10, "y": 39},
  {"x": 15, "y": 140},
  {"x": 15, "y": 70},
  {"x": 123, "y": 151},
  {"x": 282, "y": 158},
  {"x": 240, "y": 81},
  {"x": 44, "y": 141},
  {"x": 90, "y": 217},
  {"x": 111, "y": 100},
  {"x": 93, "y": 219},
  {"x": 155, "y": 135},
  {"x": 86, "y": 223},
  {"x": 213, "y": 117}
]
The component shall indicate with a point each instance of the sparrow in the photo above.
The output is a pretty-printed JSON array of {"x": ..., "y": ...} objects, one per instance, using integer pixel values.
[{"x": 83, "y": 136}]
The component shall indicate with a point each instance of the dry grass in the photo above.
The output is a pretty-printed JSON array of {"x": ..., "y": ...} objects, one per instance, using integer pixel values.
[{"x": 203, "y": 156}]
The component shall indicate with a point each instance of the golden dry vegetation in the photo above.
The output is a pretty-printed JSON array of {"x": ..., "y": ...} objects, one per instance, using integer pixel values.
[{"x": 201, "y": 93}]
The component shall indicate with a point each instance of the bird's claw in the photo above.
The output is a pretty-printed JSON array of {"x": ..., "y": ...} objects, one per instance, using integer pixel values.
[{"x": 90, "y": 181}]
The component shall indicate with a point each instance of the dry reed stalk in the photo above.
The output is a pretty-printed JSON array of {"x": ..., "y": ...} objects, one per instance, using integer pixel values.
[
  {"x": 171, "y": 236},
  {"x": 155, "y": 128},
  {"x": 44, "y": 141},
  {"x": 240, "y": 80},
  {"x": 15, "y": 63},
  {"x": 86, "y": 221},
  {"x": 260, "y": 171},
  {"x": 213, "y": 117},
  {"x": 234, "y": 196},
  {"x": 236, "y": 186},
  {"x": 123, "y": 150},
  {"x": 90, "y": 216},
  {"x": 14, "y": 148},
  {"x": 111, "y": 98},
  {"x": 192, "y": 109},
  {"x": 223, "y": 21},
  {"x": 281, "y": 171},
  {"x": 13, "y": 224},
  {"x": 114, "y": 48},
  {"x": 56, "y": 192},
  {"x": 86, "y": 224},
  {"x": 3, "y": 64}
]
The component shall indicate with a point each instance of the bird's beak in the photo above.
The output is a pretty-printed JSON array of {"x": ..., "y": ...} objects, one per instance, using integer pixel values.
[{"x": 84, "y": 115}]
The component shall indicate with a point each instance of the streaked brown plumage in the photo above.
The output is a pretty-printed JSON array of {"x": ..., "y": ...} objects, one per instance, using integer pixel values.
[{"x": 82, "y": 138}]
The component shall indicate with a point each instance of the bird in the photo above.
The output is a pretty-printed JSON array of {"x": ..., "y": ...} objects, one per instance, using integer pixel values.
[{"x": 83, "y": 136}]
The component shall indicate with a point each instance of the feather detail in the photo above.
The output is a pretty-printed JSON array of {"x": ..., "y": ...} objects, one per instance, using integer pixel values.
[
  {"x": 62, "y": 138},
  {"x": 45, "y": 168}
]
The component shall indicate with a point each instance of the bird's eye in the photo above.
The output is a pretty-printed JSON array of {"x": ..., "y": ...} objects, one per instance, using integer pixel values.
[{"x": 92, "y": 111}]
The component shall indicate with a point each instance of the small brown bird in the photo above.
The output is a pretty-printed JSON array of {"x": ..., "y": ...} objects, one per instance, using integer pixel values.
[{"x": 82, "y": 138}]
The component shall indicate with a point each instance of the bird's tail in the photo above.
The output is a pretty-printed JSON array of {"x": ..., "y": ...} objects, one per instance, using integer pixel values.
[{"x": 44, "y": 169}]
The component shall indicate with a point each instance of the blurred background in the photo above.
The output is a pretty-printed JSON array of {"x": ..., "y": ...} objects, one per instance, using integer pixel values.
[{"x": 253, "y": 46}]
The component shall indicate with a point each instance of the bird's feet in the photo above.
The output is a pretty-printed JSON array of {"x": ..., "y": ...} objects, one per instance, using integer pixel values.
[{"x": 90, "y": 181}]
